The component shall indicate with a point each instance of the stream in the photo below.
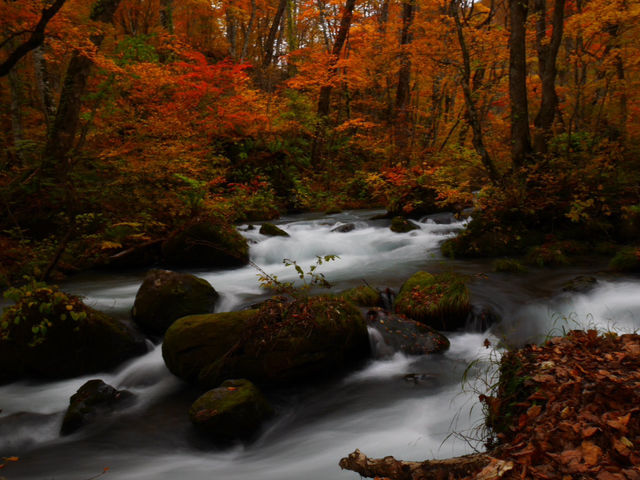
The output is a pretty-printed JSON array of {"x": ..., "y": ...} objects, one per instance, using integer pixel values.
[{"x": 403, "y": 406}]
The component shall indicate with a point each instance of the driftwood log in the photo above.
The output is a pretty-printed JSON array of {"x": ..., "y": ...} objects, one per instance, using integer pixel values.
[{"x": 479, "y": 464}]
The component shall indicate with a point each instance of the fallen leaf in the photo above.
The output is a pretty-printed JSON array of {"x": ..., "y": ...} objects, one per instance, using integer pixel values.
[
  {"x": 591, "y": 453},
  {"x": 589, "y": 432}
]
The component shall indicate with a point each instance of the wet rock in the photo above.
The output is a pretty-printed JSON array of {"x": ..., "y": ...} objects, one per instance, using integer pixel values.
[
  {"x": 405, "y": 335},
  {"x": 93, "y": 400},
  {"x": 235, "y": 409},
  {"x": 282, "y": 342},
  {"x": 51, "y": 334},
  {"x": 481, "y": 317},
  {"x": 440, "y": 301},
  {"x": 165, "y": 296},
  {"x": 402, "y": 225},
  {"x": 346, "y": 228},
  {"x": 271, "y": 230},
  {"x": 580, "y": 284},
  {"x": 206, "y": 244}
]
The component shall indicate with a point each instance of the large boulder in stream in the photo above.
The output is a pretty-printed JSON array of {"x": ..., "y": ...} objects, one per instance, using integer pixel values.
[
  {"x": 235, "y": 409},
  {"x": 51, "y": 334},
  {"x": 165, "y": 296},
  {"x": 206, "y": 244},
  {"x": 279, "y": 343},
  {"x": 270, "y": 230},
  {"x": 93, "y": 400},
  {"x": 440, "y": 301},
  {"x": 362, "y": 296},
  {"x": 399, "y": 334},
  {"x": 402, "y": 225}
]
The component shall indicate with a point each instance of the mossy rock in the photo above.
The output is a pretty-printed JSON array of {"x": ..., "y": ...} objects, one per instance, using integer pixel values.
[
  {"x": 548, "y": 255},
  {"x": 405, "y": 335},
  {"x": 282, "y": 342},
  {"x": 440, "y": 301},
  {"x": 48, "y": 333},
  {"x": 271, "y": 230},
  {"x": 626, "y": 260},
  {"x": 93, "y": 400},
  {"x": 508, "y": 265},
  {"x": 580, "y": 284},
  {"x": 402, "y": 225},
  {"x": 206, "y": 244},
  {"x": 165, "y": 296},
  {"x": 235, "y": 409},
  {"x": 363, "y": 296}
]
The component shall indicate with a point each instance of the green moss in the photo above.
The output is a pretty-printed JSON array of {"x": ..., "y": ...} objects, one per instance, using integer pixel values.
[
  {"x": 271, "y": 230},
  {"x": 547, "y": 255},
  {"x": 235, "y": 409},
  {"x": 363, "y": 296},
  {"x": 282, "y": 342},
  {"x": 509, "y": 265},
  {"x": 402, "y": 225},
  {"x": 441, "y": 301},
  {"x": 626, "y": 260}
]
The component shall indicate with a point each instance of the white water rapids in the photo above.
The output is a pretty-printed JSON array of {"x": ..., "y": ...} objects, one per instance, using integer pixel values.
[{"x": 376, "y": 408}]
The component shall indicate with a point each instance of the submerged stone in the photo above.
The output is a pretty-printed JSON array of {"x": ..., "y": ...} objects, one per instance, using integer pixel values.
[
  {"x": 235, "y": 409},
  {"x": 271, "y": 230}
]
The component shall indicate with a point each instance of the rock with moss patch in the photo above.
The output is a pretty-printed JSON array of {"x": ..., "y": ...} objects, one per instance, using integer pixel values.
[
  {"x": 508, "y": 265},
  {"x": 405, "y": 335},
  {"x": 626, "y": 260},
  {"x": 51, "y": 334},
  {"x": 402, "y": 225},
  {"x": 206, "y": 244},
  {"x": 282, "y": 342},
  {"x": 235, "y": 409},
  {"x": 271, "y": 230},
  {"x": 363, "y": 296},
  {"x": 165, "y": 296},
  {"x": 344, "y": 228},
  {"x": 440, "y": 301},
  {"x": 580, "y": 284},
  {"x": 92, "y": 401}
]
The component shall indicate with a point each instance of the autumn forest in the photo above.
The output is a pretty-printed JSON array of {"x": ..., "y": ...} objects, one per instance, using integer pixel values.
[
  {"x": 466, "y": 173},
  {"x": 122, "y": 120}
]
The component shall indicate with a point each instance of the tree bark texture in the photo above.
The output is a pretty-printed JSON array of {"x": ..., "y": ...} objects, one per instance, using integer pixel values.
[
  {"x": 473, "y": 116},
  {"x": 389, "y": 467},
  {"x": 35, "y": 39},
  {"x": 67, "y": 120},
  {"x": 43, "y": 82},
  {"x": 273, "y": 32},
  {"x": 341, "y": 38},
  {"x": 547, "y": 58},
  {"x": 520, "y": 133}
]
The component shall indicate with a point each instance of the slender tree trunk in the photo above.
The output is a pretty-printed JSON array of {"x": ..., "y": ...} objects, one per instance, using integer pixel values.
[
  {"x": 473, "y": 116},
  {"x": 520, "y": 134},
  {"x": 404, "y": 75},
  {"x": 16, "y": 109},
  {"x": 345, "y": 24},
  {"x": 273, "y": 32},
  {"x": 232, "y": 30},
  {"x": 166, "y": 15},
  {"x": 43, "y": 82},
  {"x": 547, "y": 57},
  {"x": 624, "y": 108},
  {"x": 249, "y": 31},
  {"x": 67, "y": 119}
]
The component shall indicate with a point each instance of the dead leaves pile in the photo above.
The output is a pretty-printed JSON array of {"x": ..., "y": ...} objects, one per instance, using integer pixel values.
[{"x": 582, "y": 419}]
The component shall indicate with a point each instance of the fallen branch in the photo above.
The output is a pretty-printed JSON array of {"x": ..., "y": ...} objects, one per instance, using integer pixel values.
[{"x": 389, "y": 467}]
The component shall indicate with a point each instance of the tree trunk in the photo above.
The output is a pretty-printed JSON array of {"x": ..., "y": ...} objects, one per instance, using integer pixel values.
[
  {"x": 67, "y": 119},
  {"x": 16, "y": 110},
  {"x": 389, "y": 467},
  {"x": 249, "y": 31},
  {"x": 345, "y": 24},
  {"x": 473, "y": 116},
  {"x": 273, "y": 32},
  {"x": 232, "y": 30},
  {"x": 404, "y": 75},
  {"x": 520, "y": 134},
  {"x": 35, "y": 39},
  {"x": 547, "y": 56},
  {"x": 43, "y": 82},
  {"x": 166, "y": 15}
]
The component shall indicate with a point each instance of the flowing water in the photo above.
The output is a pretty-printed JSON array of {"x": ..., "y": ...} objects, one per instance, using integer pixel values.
[{"x": 403, "y": 406}]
